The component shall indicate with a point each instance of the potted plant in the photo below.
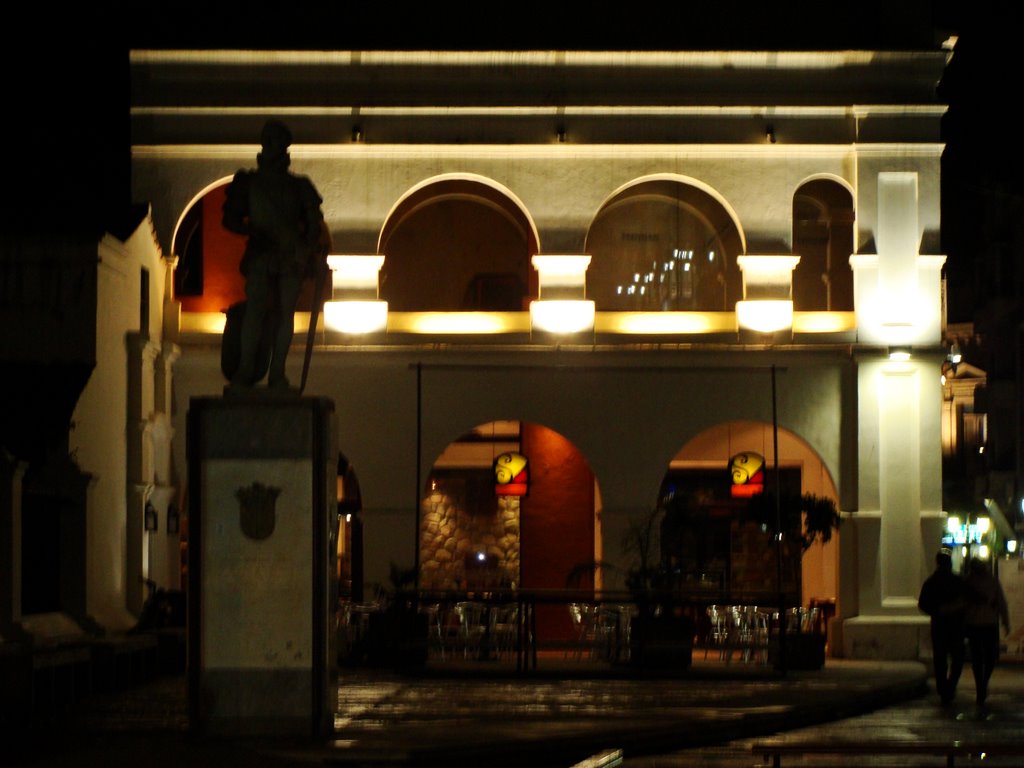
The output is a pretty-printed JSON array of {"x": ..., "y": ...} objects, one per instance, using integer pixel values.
[
  {"x": 398, "y": 633},
  {"x": 805, "y": 518},
  {"x": 661, "y": 633}
]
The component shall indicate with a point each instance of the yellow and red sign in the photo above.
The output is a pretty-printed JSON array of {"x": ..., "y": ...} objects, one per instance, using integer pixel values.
[
  {"x": 747, "y": 470},
  {"x": 511, "y": 475}
]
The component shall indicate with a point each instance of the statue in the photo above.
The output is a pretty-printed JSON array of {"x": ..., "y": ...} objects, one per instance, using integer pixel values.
[{"x": 279, "y": 212}]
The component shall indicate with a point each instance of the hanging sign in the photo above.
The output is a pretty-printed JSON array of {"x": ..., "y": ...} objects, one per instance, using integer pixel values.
[
  {"x": 747, "y": 470},
  {"x": 511, "y": 475}
]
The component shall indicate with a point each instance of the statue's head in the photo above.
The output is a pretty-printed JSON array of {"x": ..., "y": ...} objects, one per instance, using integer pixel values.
[{"x": 275, "y": 138}]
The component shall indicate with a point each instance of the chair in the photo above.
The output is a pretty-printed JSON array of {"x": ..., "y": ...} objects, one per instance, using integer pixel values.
[
  {"x": 718, "y": 634},
  {"x": 472, "y": 626},
  {"x": 505, "y": 625},
  {"x": 584, "y": 621}
]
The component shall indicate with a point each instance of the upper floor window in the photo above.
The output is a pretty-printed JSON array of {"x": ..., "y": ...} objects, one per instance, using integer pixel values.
[{"x": 664, "y": 245}]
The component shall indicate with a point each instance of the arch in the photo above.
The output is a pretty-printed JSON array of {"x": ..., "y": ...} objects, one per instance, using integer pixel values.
[
  {"x": 204, "y": 284},
  {"x": 207, "y": 276},
  {"x": 458, "y": 242},
  {"x": 473, "y": 539},
  {"x": 822, "y": 235},
  {"x": 697, "y": 484},
  {"x": 349, "y": 544},
  {"x": 665, "y": 242}
]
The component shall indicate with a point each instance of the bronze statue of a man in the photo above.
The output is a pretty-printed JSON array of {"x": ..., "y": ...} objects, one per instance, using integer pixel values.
[{"x": 279, "y": 212}]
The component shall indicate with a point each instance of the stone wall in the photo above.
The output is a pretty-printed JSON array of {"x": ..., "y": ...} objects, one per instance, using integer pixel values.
[{"x": 452, "y": 536}]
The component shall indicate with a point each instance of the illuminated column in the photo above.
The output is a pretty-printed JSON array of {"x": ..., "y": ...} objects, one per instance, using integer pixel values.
[
  {"x": 767, "y": 305},
  {"x": 561, "y": 306},
  {"x": 355, "y": 306},
  {"x": 898, "y": 523}
]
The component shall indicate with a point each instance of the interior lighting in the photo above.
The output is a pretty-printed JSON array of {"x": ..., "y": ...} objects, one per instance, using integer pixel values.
[
  {"x": 953, "y": 524},
  {"x": 983, "y": 552},
  {"x": 1011, "y": 546},
  {"x": 355, "y": 306}
]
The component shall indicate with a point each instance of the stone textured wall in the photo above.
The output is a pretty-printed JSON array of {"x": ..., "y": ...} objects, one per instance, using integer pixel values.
[{"x": 451, "y": 535}]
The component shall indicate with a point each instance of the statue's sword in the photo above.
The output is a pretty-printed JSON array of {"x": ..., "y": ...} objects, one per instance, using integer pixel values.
[{"x": 314, "y": 318}]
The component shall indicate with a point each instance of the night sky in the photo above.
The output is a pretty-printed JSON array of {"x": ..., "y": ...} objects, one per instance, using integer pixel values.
[{"x": 67, "y": 130}]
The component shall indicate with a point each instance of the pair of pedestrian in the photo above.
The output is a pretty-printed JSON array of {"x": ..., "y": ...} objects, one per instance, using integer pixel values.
[{"x": 963, "y": 608}]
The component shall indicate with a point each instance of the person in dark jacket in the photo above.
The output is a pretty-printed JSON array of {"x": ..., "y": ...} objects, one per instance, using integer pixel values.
[
  {"x": 943, "y": 598},
  {"x": 986, "y": 609}
]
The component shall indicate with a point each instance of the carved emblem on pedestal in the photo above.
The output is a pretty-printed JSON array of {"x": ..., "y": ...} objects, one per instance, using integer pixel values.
[{"x": 257, "y": 513}]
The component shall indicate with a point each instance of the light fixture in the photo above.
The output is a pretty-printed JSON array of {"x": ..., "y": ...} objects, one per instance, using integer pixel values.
[
  {"x": 767, "y": 305},
  {"x": 150, "y": 518},
  {"x": 173, "y": 520},
  {"x": 355, "y": 307},
  {"x": 1011, "y": 545},
  {"x": 899, "y": 354},
  {"x": 561, "y": 306},
  {"x": 954, "y": 356}
]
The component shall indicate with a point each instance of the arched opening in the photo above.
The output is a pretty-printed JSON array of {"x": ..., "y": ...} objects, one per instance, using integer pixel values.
[
  {"x": 207, "y": 276},
  {"x": 664, "y": 244},
  {"x": 457, "y": 245},
  {"x": 718, "y": 541},
  {"x": 823, "y": 238},
  {"x": 351, "y": 586},
  {"x": 477, "y": 536}
]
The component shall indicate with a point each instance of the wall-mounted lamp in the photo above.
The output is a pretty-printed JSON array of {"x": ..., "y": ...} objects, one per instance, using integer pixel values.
[
  {"x": 150, "y": 519},
  {"x": 899, "y": 354},
  {"x": 561, "y": 305},
  {"x": 173, "y": 520},
  {"x": 355, "y": 306}
]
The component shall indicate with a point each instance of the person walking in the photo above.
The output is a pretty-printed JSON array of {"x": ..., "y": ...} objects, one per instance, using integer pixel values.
[
  {"x": 986, "y": 608},
  {"x": 943, "y": 598}
]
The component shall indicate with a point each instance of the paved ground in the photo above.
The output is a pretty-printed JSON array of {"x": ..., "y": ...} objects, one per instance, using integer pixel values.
[{"x": 706, "y": 717}]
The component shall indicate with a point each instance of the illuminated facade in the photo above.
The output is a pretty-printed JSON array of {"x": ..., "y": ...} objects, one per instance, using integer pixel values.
[{"x": 707, "y": 219}]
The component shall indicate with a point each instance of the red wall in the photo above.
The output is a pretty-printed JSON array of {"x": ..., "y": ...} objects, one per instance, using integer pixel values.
[{"x": 556, "y": 521}]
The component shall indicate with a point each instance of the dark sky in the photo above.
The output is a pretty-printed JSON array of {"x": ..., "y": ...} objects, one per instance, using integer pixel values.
[{"x": 69, "y": 85}]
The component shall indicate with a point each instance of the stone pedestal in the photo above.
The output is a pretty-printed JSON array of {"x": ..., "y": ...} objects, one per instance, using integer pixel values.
[{"x": 261, "y": 564}]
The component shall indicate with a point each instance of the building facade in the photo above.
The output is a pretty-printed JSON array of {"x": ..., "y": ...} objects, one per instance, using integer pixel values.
[{"x": 695, "y": 191}]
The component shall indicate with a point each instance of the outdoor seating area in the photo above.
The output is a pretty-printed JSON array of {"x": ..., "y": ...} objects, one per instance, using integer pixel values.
[
  {"x": 745, "y": 631},
  {"x": 499, "y": 627}
]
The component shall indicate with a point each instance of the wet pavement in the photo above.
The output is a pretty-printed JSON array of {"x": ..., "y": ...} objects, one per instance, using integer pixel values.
[{"x": 705, "y": 717}]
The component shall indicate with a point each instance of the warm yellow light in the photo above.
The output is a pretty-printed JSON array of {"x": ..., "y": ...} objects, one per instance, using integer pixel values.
[
  {"x": 562, "y": 316},
  {"x": 354, "y": 277},
  {"x": 953, "y": 524},
  {"x": 561, "y": 277},
  {"x": 765, "y": 315},
  {"x": 824, "y": 322},
  {"x": 983, "y": 552},
  {"x": 899, "y": 355},
  {"x": 768, "y": 273},
  {"x": 654, "y": 323},
  {"x": 458, "y": 322},
  {"x": 984, "y": 524},
  {"x": 356, "y": 316}
]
